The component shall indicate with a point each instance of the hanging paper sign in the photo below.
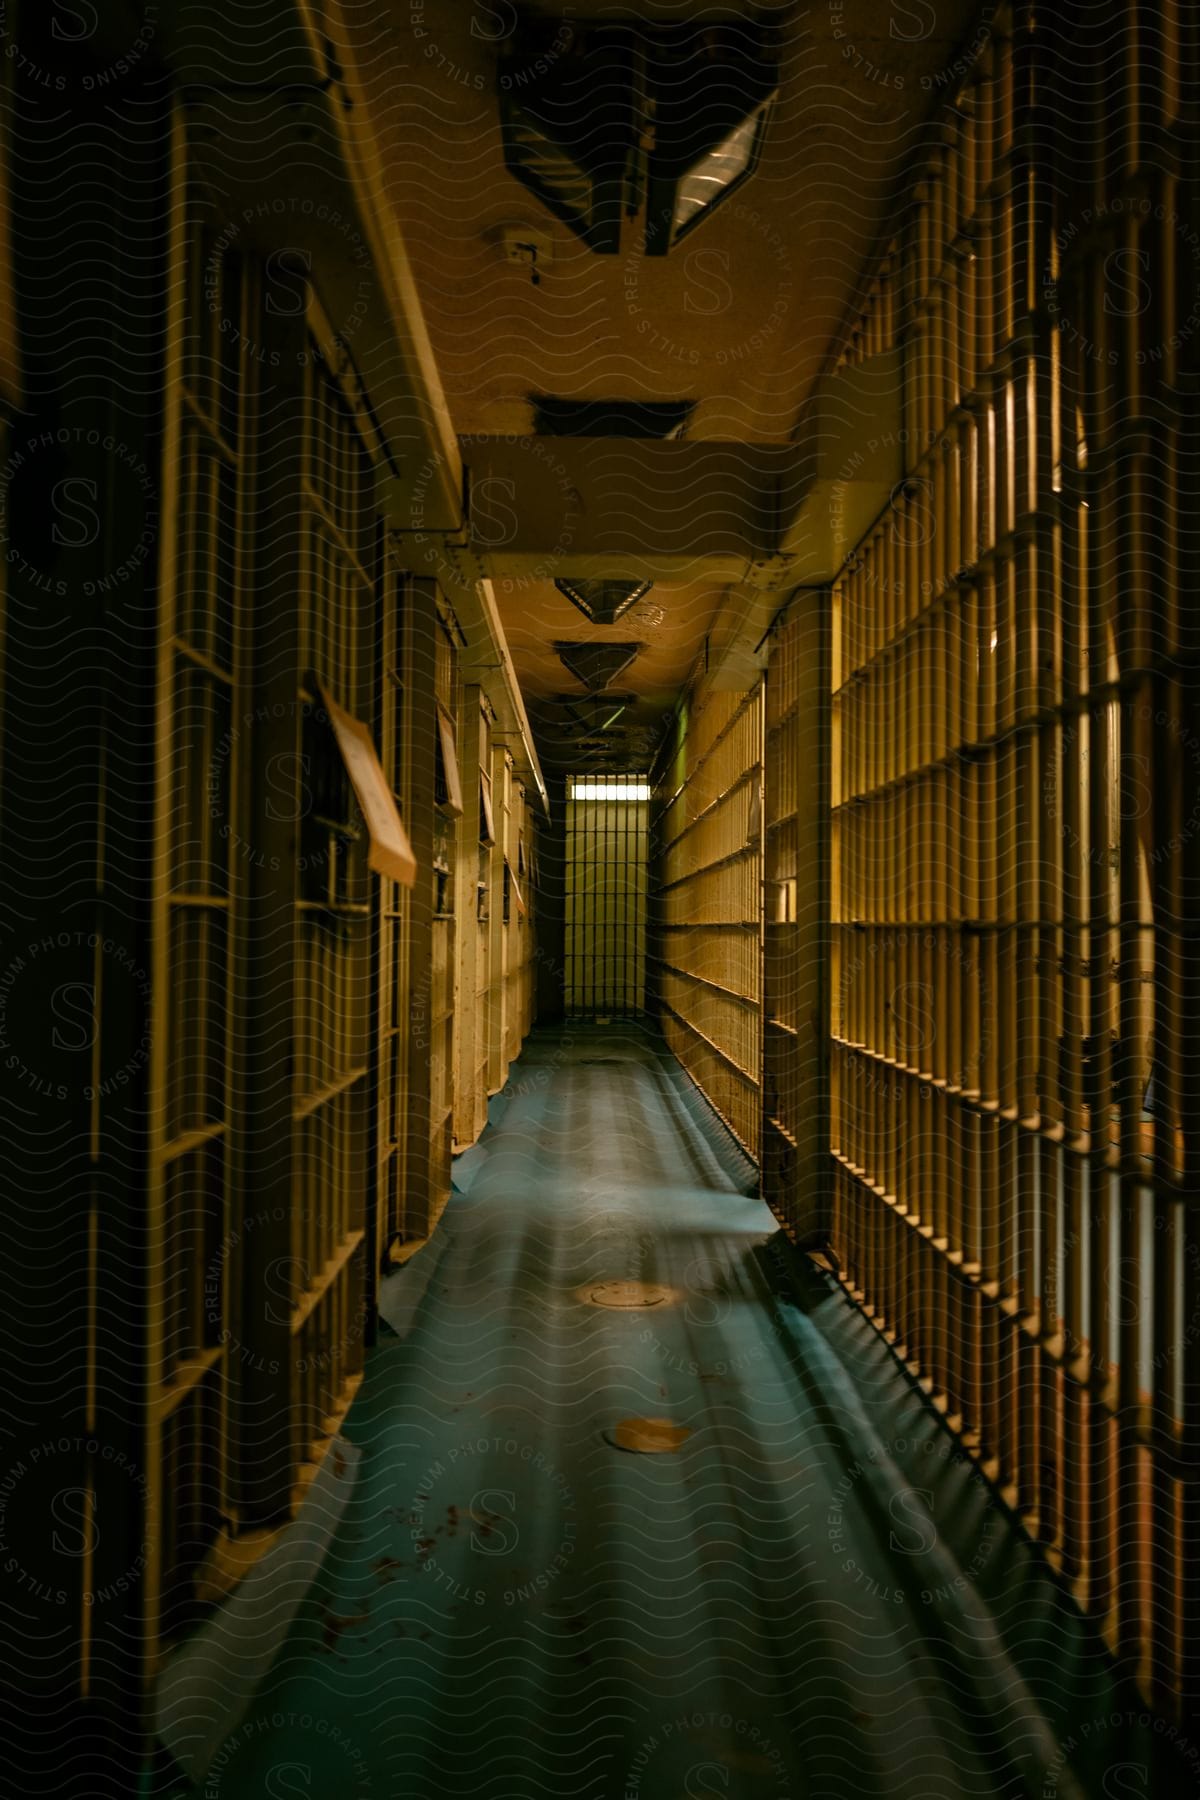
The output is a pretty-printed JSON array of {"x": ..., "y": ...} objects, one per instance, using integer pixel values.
[
  {"x": 487, "y": 824},
  {"x": 390, "y": 852},
  {"x": 449, "y": 750}
]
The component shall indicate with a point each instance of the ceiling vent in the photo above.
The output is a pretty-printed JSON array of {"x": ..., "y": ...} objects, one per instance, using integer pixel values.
[
  {"x": 604, "y": 122},
  {"x": 585, "y": 715},
  {"x": 596, "y": 665},
  {"x": 603, "y": 602},
  {"x": 577, "y": 704},
  {"x": 556, "y": 416}
]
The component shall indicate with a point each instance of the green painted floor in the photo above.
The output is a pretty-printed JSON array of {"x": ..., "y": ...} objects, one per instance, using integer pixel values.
[{"x": 811, "y": 1597}]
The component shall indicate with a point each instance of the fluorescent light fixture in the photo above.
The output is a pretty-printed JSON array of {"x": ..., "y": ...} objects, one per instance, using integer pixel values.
[
  {"x": 617, "y": 788},
  {"x": 717, "y": 172},
  {"x": 691, "y": 172},
  {"x": 603, "y": 601}
]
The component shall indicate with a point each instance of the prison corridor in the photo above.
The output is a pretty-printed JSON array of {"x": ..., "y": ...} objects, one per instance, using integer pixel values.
[
  {"x": 644, "y": 1507},
  {"x": 599, "y": 878}
]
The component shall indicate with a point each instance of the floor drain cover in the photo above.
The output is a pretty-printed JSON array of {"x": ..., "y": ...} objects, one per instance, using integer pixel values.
[
  {"x": 626, "y": 1296},
  {"x": 648, "y": 1437}
]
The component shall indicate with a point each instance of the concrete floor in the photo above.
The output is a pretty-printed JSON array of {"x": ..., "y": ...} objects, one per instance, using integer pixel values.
[{"x": 811, "y": 1596}]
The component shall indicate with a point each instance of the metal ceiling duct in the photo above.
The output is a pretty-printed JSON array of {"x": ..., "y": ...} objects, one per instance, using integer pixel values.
[
  {"x": 561, "y": 415},
  {"x": 603, "y": 602},
  {"x": 611, "y": 119},
  {"x": 569, "y": 129},
  {"x": 596, "y": 665}
]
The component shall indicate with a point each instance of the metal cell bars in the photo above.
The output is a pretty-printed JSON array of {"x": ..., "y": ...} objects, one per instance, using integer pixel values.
[
  {"x": 432, "y": 792},
  {"x": 196, "y": 861},
  {"x": 795, "y": 1159},
  {"x": 332, "y": 1090},
  {"x": 511, "y": 916},
  {"x": 394, "y": 997},
  {"x": 501, "y": 906},
  {"x": 522, "y": 870},
  {"x": 873, "y": 330},
  {"x": 708, "y": 899},
  {"x": 476, "y": 829},
  {"x": 1015, "y": 762},
  {"x": 446, "y": 923},
  {"x": 606, "y": 890},
  {"x": 489, "y": 943}
]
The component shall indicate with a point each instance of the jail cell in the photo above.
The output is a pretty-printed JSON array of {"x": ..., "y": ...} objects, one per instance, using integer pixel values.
[
  {"x": 425, "y": 702},
  {"x": 394, "y": 1003},
  {"x": 477, "y": 841},
  {"x": 527, "y": 873},
  {"x": 500, "y": 887},
  {"x": 310, "y": 1083},
  {"x": 452, "y": 921},
  {"x": 486, "y": 939},
  {"x": 193, "y": 1202},
  {"x": 708, "y": 906},
  {"x": 796, "y": 954},
  {"x": 517, "y": 925},
  {"x": 1013, "y": 1124},
  {"x": 873, "y": 329},
  {"x": 606, "y": 892},
  {"x": 333, "y": 1095}
]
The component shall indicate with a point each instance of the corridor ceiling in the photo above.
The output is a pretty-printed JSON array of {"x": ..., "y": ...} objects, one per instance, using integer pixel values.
[{"x": 737, "y": 319}]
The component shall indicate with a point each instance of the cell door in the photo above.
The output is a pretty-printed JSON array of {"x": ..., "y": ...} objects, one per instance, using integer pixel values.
[{"x": 608, "y": 824}]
